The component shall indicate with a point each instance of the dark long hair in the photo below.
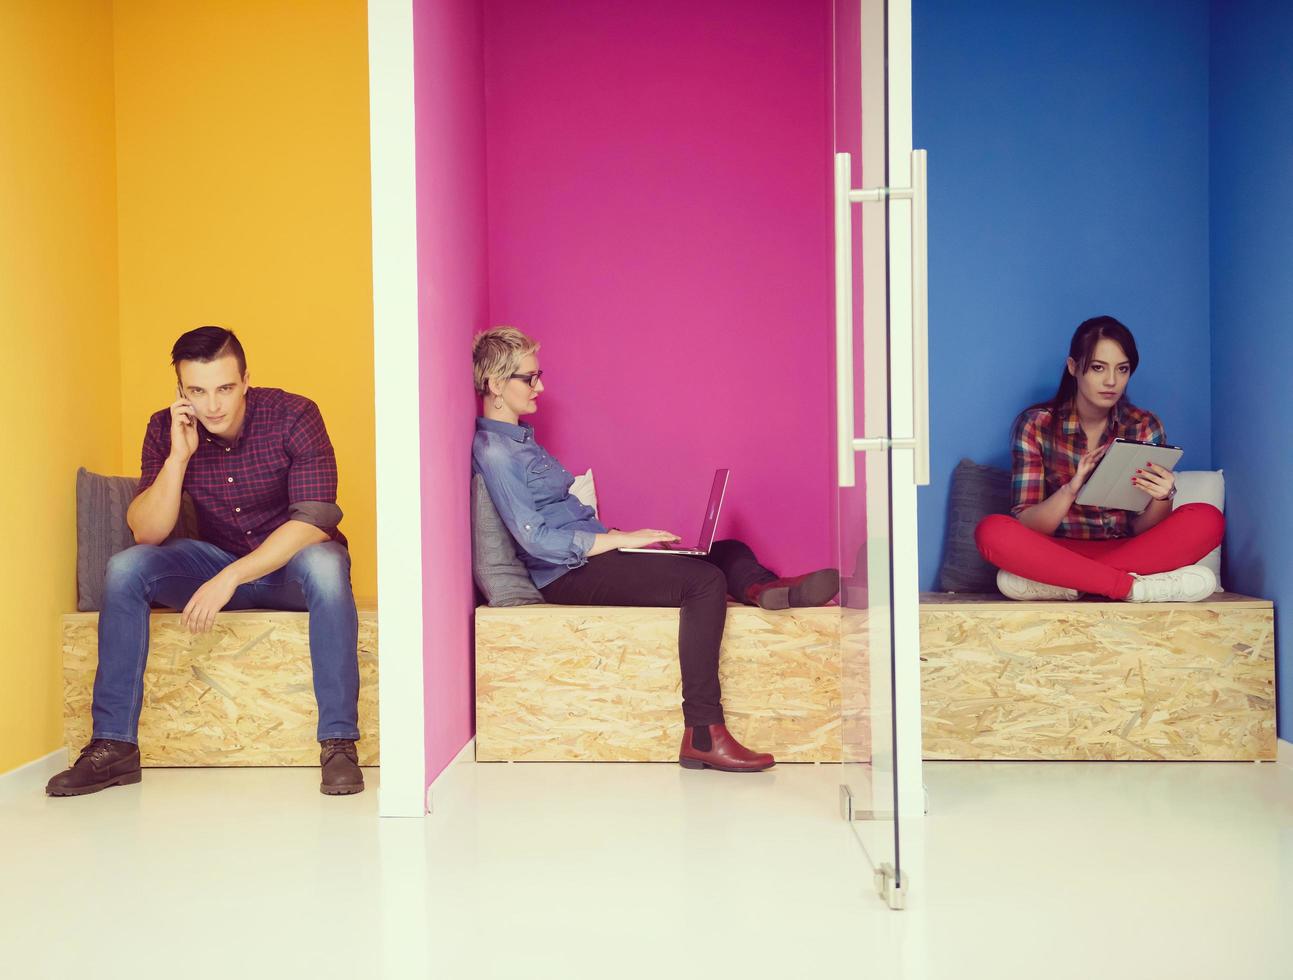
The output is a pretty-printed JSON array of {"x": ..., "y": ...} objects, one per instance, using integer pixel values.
[{"x": 1081, "y": 348}]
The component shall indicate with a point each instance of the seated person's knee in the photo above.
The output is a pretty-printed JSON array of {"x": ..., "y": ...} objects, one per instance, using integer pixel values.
[
  {"x": 127, "y": 568},
  {"x": 1210, "y": 519},
  {"x": 322, "y": 568},
  {"x": 706, "y": 582},
  {"x": 729, "y": 550},
  {"x": 990, "y": 527}
]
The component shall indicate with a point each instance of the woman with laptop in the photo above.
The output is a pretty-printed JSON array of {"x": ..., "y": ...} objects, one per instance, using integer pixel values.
[
  {"x": 575, "y": 560},
  {"x": 1093, "y": 489}
]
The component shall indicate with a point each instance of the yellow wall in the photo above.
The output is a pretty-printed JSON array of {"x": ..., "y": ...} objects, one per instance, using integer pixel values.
[
  {"x": 60, "y": 400},
  {"x": 164, "y": 165},
  {"x": 242, "y": 142}
]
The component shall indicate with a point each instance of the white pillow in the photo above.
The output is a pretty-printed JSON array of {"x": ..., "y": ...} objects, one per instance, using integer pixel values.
[
  {"x": 1203, "y": 487},
  {"x": 585, "y": 491}
]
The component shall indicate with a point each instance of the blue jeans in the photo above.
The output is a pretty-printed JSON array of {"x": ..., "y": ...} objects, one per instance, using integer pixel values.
[{"x": 317, "y": 579}]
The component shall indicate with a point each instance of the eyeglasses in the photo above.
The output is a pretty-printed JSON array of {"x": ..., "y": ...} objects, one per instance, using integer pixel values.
[{"x": 531, "y": 379}]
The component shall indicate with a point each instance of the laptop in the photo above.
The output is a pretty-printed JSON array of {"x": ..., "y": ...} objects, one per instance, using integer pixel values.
[{"x": 707, "y": 528}]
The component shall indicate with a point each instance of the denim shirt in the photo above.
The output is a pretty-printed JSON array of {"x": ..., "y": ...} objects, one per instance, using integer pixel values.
[{"x": 531, "y": 492}]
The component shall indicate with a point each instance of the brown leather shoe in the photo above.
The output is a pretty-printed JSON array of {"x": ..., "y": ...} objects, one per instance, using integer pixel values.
[
  {"x": 104, "y": 762},
  {"x": 725, "y": 753},
  {"x": 341, "y": 773},
  {"x": 814, "y": 589}
]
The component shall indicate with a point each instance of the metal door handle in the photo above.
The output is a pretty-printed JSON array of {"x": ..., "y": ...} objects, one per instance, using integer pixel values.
[
  {"x": 920, "y": 314},
  {"x": 845, "y": 464},
  {"x": 844, "y": 197}
]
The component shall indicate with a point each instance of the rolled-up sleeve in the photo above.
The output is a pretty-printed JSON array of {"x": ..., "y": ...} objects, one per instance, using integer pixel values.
[
  {"x": 322, "y": 515},
  {"x": 505, "y": 481},
  {"x": 1027, "y": 467},
  {"x": 312, "y": 477}
]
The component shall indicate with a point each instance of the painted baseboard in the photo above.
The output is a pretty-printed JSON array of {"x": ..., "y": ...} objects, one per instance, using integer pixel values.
[
  {"x": 1284, "y": 752},
  {"x": 454, "y": 782},
  {"x": 34, "y": 773}
]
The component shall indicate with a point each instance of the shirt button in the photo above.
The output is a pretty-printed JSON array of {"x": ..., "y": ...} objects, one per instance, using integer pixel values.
[
  {"x": 249, "y": 532},
  {"x": 231, "y": 479},
  {"x": 227, "y": 448},
  {"x": 237, "y": 510}
]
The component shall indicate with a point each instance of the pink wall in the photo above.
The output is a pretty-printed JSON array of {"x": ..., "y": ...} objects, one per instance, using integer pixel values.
[
  {"x": 658, "y": 181},
  {"x": 658, "y": 186},
  {"x": 453, "y": 299}
]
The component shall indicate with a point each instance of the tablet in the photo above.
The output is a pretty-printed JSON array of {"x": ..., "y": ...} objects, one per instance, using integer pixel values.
[{"x": 1110, "y": 484}]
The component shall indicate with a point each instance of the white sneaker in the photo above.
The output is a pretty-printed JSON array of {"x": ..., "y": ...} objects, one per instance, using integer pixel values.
[
  {"x": 1193, "y": 583},
  {"x": 1014, "y": 586}
]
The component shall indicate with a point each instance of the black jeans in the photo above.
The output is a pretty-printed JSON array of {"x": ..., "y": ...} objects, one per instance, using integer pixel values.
[{"x": 698, "y": 586}]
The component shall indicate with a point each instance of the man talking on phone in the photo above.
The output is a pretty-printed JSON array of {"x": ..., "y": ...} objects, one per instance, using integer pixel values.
[{"x": 262, "y": 475}]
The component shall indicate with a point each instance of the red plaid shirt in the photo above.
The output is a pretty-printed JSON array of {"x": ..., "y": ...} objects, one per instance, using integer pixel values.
[
  {"x": 280, "y": 468},
  {"x": 1045, "y": 452}
]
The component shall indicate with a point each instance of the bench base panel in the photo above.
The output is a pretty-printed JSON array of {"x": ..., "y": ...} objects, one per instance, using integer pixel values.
[
  {"x": 1098, "y": 680},
  {"x": 242, "y": 695},
  {"x": 1001, "y": 680},
  {"x": 602, "y": 684}
]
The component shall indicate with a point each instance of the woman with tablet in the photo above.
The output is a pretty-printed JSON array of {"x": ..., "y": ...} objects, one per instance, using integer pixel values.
[
  {"x": 574, "y": 559},
  {"x": 1052, "y": 547}
]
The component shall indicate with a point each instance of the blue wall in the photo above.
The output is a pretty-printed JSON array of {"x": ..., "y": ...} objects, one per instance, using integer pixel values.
[
  {"x": 1252, "y": 302},
  {"x": 1068, "y": 175}
]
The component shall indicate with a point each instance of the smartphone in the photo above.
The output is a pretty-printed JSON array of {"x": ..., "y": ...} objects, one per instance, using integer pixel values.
[{"x": 180, "y": 392}]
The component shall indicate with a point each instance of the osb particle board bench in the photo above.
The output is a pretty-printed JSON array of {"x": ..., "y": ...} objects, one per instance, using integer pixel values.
[
  {"x": 602, "y": 684},
  {"x": 241, "y": 695},
  {"x": 1000, "y": 680},
  {"x": 1098, "y": 680}
]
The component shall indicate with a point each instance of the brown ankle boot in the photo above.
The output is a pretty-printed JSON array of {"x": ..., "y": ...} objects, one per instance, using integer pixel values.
[
  {"x": 104, "y": 762},
  {"x": 814, "y": 589},
  {"x": 725, "y": 753},
  {"x": 341, "y": 773}
]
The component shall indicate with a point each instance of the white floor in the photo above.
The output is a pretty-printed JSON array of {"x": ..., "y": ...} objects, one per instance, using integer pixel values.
[{"x": 571, "y": 871}]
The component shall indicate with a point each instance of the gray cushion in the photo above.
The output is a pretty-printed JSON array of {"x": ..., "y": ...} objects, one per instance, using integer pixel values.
[
  {"x": 102, "y": 531},
  {"x": 976, "y": 492},
  {"x": 499, "y": 573}
]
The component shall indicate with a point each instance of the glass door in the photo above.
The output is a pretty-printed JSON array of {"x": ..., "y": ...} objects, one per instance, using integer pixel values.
[{"x": 881, "y": 428}]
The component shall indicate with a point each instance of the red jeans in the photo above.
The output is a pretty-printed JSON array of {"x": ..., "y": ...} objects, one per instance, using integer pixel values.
[{"x": 1101, "y": 567}]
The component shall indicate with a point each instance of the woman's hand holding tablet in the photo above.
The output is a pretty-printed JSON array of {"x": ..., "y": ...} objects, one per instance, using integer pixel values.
[{"x": 1155, "y": 480}]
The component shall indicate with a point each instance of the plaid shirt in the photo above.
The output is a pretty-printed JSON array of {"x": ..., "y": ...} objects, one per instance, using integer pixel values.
[
  {"x": 280, "y": 468},
  {"x": 1045, "y": 452}
]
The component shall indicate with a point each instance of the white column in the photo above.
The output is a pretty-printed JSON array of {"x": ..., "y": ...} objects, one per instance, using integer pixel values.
[{"x": 395, "y": 362}]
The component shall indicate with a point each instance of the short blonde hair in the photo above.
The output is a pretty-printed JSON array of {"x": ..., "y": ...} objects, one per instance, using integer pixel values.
[{"x": 496, "y": 354}]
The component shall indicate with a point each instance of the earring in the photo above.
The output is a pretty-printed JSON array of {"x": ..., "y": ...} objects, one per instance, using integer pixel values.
[{"x": 498, "y": 403}]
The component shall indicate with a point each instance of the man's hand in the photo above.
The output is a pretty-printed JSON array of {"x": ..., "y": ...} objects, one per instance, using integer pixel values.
[
  {"x": 184, "y": 430},
  {"x": 200, "y": 613}
]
